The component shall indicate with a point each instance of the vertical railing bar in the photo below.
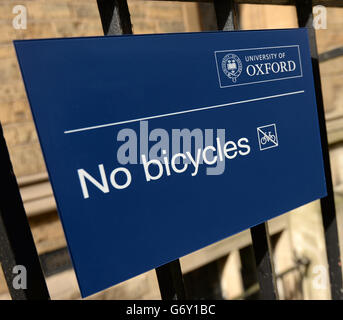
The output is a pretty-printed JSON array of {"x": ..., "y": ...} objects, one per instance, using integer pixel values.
[
  {"x": 115, "y": 19},
  {"x": 170, "y": 281},
  {"x": 264, "y": 262},
  {"x": 227, "y": 15},
  {"x": 228, "y": 20},
  {"x": 305, "y": 19},
  {"x": 17, "y": 245}
]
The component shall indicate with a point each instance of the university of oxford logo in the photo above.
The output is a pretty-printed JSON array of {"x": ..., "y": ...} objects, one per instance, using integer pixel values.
[{"x": 232, "y": 66}]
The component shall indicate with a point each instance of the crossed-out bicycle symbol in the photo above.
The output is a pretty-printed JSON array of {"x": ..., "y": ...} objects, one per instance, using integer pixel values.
[{"x": 267, "y": 137}]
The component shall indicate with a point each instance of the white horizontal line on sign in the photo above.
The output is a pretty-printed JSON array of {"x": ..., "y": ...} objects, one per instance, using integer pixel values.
[{"x": 182, "y": 112}]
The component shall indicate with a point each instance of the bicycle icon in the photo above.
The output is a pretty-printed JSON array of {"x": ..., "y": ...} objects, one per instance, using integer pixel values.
[{"x": 267, "y": 137}]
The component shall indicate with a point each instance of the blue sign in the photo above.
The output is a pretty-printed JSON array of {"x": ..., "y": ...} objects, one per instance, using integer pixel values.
[{"x": 159, "y": 145}]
